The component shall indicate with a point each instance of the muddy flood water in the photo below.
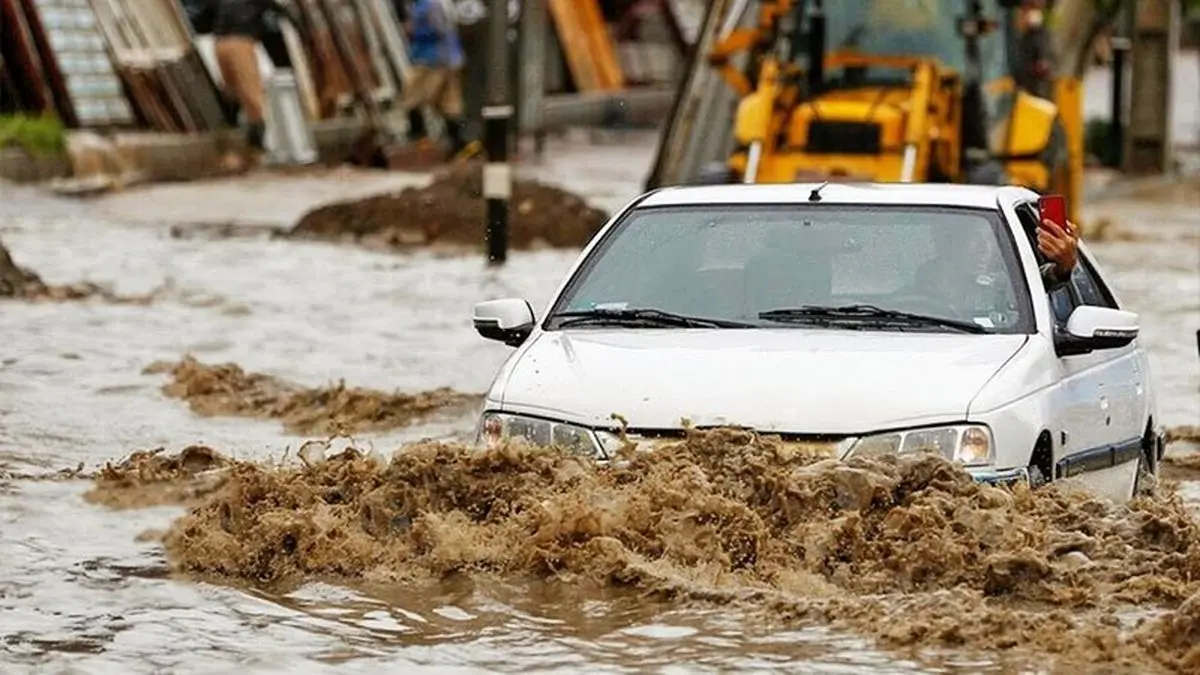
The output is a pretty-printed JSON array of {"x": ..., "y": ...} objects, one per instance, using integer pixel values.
[{"x": 248, "y": 544}]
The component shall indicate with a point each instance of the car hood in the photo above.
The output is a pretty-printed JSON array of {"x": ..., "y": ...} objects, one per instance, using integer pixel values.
[{"x": 781, "y": 380}]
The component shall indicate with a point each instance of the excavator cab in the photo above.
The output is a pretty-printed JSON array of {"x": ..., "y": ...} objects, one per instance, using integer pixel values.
[{"x": 894, "y": 91}]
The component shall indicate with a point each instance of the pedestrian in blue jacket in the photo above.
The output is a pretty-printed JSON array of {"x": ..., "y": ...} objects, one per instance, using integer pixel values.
[{"x": 436, "y": 81}]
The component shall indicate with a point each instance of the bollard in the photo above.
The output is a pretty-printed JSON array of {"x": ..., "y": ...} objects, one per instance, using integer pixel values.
[
  {"x": 497, "y": 175},
  {"x": 1120, "y": 49},
  {"x": 497, "y": 180}
]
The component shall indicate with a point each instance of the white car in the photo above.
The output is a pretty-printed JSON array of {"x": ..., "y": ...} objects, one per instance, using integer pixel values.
[{"x": 872, "y": 318}]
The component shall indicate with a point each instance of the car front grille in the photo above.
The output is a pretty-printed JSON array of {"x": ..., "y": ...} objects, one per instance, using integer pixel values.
[{"x": 814, "y": 443}]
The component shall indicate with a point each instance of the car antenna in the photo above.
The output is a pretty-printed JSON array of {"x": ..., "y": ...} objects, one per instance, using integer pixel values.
[{"x": 815, "y": 195}]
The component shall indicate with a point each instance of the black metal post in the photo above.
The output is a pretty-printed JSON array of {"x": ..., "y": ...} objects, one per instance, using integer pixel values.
[
  {"x": 498, "y": 111},
  {"x": 1120, "y": 49}
]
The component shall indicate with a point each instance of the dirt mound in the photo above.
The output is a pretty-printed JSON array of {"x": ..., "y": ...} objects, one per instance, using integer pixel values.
[
  {"x": 451, "y": 210},
  {"x": 226, "y": 390},
  {"x": 22, "y": 284},
  {"x": 908, "y": 550},
  {"x": 149, "y": 478}
]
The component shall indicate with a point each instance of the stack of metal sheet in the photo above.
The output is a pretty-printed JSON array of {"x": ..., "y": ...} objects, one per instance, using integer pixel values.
[
  {"x": 60, "y": 61},
  {"x": 698, "y": 130},
  {"x": 151, "y": 44}
]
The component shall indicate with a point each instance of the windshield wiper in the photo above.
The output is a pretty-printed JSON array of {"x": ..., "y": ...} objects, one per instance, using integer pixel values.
[
  {"x": 860, "y": 313},
  {"x": 642, "y": 317}
]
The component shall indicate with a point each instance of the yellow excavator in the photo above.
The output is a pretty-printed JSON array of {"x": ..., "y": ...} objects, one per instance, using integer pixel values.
[{"x": 893, "y": 90}]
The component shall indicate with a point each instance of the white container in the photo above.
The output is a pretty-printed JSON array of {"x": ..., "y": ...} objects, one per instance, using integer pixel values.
[{"x": 289, "y": 139}]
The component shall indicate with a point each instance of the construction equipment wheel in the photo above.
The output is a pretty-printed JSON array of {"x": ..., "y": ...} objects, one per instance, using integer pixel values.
[
  {"x": 990, "y": 172},
  {"x": 716, "y": 173}
]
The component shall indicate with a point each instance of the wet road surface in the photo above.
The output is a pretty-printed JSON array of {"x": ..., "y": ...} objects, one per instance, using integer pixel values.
[{"x": 80, "y": 586}]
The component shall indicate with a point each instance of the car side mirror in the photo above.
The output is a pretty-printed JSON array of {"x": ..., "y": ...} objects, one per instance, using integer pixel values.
[
  {"x": 508, "y": 320},
  {"x": 1090, "y": 328}
]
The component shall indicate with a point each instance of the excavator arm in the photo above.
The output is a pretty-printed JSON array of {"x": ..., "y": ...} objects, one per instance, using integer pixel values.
[
  {"x": 758, "y": 40},
  {"x": 720, "y": 58}
]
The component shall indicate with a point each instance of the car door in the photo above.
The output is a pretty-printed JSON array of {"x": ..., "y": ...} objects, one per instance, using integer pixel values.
[
  {"x": 1089, "y": 391},
  {"x": 1122, "y": 387},
  {"x": 1073, "y": 400}
]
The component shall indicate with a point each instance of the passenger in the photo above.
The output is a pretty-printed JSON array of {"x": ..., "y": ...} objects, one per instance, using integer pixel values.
[
  {"x": 961, "y": 264},
  {"x": 239, "y": 27},
  {"x": 437, "y": 58}
]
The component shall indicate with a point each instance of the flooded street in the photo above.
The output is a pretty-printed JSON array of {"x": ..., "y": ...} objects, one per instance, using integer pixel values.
[{"x": 88, "y": 587}]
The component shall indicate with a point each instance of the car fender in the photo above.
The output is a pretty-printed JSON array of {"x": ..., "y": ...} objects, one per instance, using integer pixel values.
[
  {"x": 494, "y": 398},
  {"x": 1016, "y": 402},
  {"x": 1016, "y": 426}
]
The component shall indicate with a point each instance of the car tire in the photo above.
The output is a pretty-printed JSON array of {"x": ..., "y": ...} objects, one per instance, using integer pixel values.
[
  {"x": 1036, "y": 478},
  {"x": 1146, "y": 482},
  {"x": 714, "y": 173}
]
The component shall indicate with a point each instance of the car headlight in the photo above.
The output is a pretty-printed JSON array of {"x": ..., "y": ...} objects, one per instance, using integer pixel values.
[
  {"x": 968, "y": 444},
  {"x": 495, "y": 427}
]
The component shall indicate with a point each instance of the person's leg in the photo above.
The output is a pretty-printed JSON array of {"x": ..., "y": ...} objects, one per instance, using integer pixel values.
[
  {"x": 414, "y": 95},
  {"x": 226, "y": 55},
  {"x": 450, "y": 105},
  {"x": 251, "y": 94},
  {"x": 225, "y": 65},
  {"x": 416, "y": 125}
]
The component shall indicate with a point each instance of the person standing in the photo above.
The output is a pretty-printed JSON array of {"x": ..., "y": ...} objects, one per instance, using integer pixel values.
[
  {"x": 437, "y": 57},
  {"x": 238, "y": 28},
  {"x": 1035, "y": 72}
]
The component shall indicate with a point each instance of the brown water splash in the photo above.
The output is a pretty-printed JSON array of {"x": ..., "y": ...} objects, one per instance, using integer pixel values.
[
  {"x": 908, "y": 550},
  {"x": 1182, "y": 460},
  {"x": 225, "y": 389},
  {"x": 1177, "y": 636},
  {"x": 1181, "y": 467},
  {"x": 149, "y": 478},
  {"x": 1188, "y": 433}
]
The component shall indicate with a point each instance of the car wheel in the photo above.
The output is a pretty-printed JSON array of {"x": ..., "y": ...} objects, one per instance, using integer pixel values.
[
  {"x": 714, "y": 173},
  {"x": 1146, "y": 482},
  {"x": 1036, "y": 478},
  {"x": 988, "y": 173}
]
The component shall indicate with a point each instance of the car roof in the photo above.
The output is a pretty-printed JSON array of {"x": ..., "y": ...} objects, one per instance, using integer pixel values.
[{"x": 923, "y": 194}]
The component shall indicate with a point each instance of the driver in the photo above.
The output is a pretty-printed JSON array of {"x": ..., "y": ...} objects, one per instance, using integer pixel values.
[{"x": 965, "y": 261}]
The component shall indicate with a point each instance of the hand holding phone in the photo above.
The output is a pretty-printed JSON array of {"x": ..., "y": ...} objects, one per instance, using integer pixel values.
[
  {"x": 1056, "y": 240},
  {"x": 1054, "y": 209}
]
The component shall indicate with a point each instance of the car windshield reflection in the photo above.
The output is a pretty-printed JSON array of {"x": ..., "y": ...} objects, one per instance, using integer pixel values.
[{"x": 920, "y": 268}]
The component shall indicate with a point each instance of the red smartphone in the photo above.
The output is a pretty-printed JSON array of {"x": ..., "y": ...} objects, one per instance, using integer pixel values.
[{"x": 1054, "y": 209}]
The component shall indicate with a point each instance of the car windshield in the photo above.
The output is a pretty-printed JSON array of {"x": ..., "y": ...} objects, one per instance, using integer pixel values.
[
  {"x": 909, "y": 28},
  {"x": 832, "y": 266}
]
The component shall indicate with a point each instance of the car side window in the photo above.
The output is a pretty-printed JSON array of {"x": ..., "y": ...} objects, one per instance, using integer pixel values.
[
  {"x": 1062, "y": 303},
  {"x": 1063, "y": 300},
  {"x": 1029, "y": 223},
  {"x": 1088, "y": 287}
]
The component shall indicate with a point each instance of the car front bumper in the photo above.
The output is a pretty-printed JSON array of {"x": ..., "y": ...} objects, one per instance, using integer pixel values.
[{"x": 993, "y": 476}]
